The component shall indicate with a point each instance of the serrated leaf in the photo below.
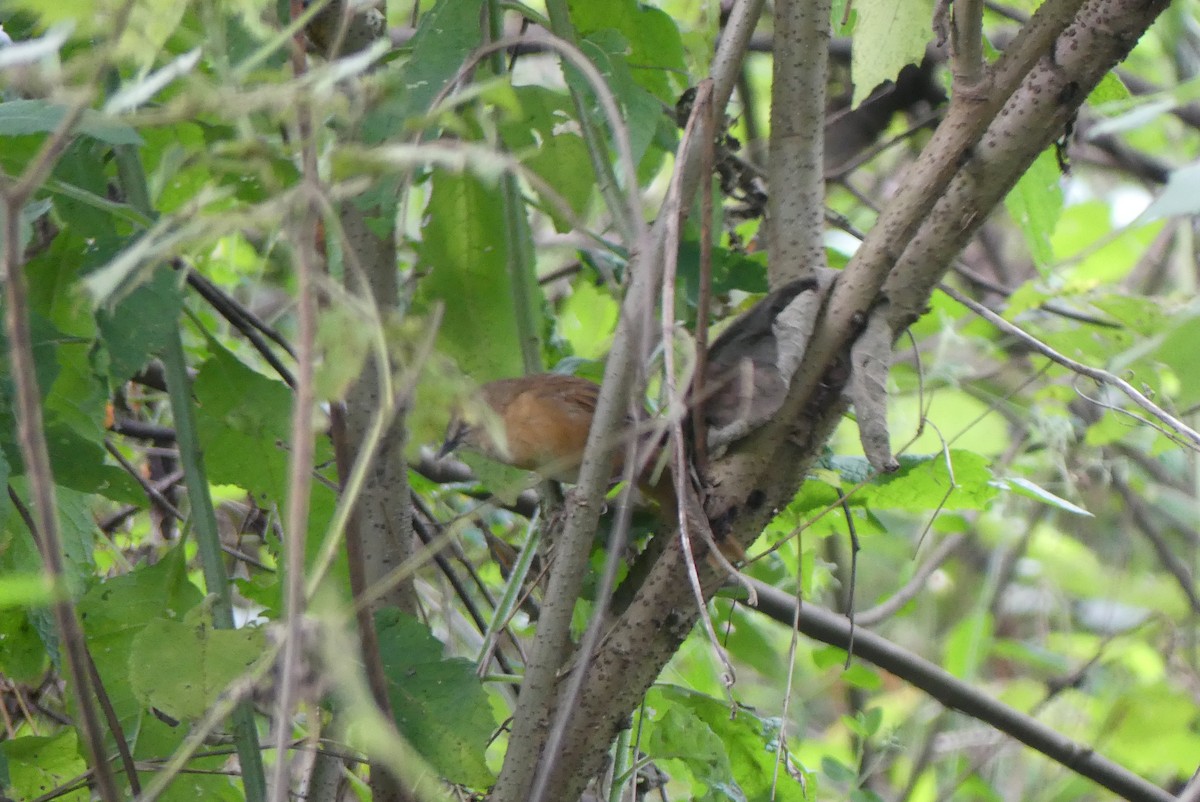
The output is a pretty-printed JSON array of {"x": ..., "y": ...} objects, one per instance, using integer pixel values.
[
  {"x": 640, "y": 109},
  {"x": 439, "y": 703},
  {"x": 732, "y": 755},
  {"x": 446, "y": 35},
  {"x": 182, "y": 668},
  {"x": 924, "y": 483},
  {"x": 38, "y": 764},
  {"x": 543, "y": 132},
  {"x": 79, "y": 463},
  {"x": 137, "y": 327},
  {"x": 81, "y": 168},
  {"x": 115, "y": 612},
  {"x": 242, "y": 418}
]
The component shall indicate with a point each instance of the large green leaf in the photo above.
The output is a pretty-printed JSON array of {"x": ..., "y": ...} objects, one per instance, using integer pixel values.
[
  {"x": 137, "y": 327},
  {"x": 463, "y": 250},
  {"x": 243, "y": 419},
  {"x": 729, "y": 757},
  {"x": 926, "y": 483},
  {"x": 40, "y": 764},
  {"x": 115, "y": 612},
  {"x": 1035, "y": 204},
  {"x": 446, "y": 35},
  {"x": 536, "y": 134},
  {"x": 439, "y": 703},
  {"x": 182, "y": 667},
  {"x": 649, "y": 37}
]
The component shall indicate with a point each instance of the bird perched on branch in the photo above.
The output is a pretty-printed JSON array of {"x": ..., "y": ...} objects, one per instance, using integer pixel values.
[
  {"x": 538, "y": 423},
  {"x": 541, "y": 422}
]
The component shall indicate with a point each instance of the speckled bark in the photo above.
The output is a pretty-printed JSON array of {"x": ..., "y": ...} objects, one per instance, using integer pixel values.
[
  {"x": 382, "y": 521},
  {"x": 795, "y": 210}
]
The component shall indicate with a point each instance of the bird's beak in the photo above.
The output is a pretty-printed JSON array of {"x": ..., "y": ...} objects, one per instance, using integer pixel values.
[{"x": 456, "y": 432}]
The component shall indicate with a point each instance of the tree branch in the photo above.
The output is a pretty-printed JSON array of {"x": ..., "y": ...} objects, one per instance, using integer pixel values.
[
  {"x": 796, "y": 205},
  {"x": 834, "y": 629}
]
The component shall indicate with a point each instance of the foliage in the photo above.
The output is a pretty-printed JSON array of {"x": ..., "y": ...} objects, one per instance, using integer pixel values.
[{"x": 199, "y": 188}]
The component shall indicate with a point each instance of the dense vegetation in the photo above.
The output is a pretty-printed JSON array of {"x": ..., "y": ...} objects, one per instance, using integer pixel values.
[{"x": 255, "y": 254}]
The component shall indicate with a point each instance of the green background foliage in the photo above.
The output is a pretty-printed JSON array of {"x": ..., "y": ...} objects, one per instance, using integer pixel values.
[{"x": 1069, "y": 593}]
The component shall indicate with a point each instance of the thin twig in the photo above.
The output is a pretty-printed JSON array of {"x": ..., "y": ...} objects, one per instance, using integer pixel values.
[
  {"x": 31, "y": 438},
  {"x": 1095, "y": 374},
  {"x": 304, "y": 237}
]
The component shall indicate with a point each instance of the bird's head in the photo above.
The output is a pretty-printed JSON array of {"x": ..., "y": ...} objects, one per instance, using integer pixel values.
[{"x": 476, "y": 425}]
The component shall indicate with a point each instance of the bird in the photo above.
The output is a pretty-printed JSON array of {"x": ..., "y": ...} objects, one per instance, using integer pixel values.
[{"x": 538, "y": 423}]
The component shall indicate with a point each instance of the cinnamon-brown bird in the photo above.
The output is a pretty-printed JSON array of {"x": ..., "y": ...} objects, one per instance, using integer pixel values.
[
  {"x": 541, "y": 422},
  {"x": 538, "y": 423}
]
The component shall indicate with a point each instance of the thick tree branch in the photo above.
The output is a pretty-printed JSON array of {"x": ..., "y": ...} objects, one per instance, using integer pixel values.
[
  {"x": 796, "y": 205},
  {"x": 584, "y": 743}
]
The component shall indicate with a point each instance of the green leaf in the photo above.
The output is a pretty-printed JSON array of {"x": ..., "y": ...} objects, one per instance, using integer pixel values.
[
  {"x": 181, "y": 668},
  {"x": 132, "y": 600},
  {"x": 1179, "y": 352},
  {"x": 79, "y": 464},
  {"x": 115, "y": 612},
  {"x": 24, "y": 657},
  {"x": 536, "y": 132},
  {"x": 649, "y": 36},
  {"x": 968, "y": 645},
  {"x": 150, "y": 24},
  {"x": 733, "y": 757},
  {"x": 924, "y": 483},
  {"x": 242, "y": 418},
  {"x": 78, "y": 533},
  {"x": 1035, "y": 204},
  {"x": 81, "y": 168},
  {"x": 1111, "y": 89},
  {"x": 1022, "y": 486},
  {"x": 439, "y": 703},
  {"x": 445, "y": 36},
  {"x": 343, "y": 343},
  {"x": 38, "y": 764},
  {"x": 587, "y": 320},
  {"x": 18, "y": 117},
  {"x": 862, "y": 676},
  {"x": 641, "y": 111},
  {"x": 463, "y": 250},
  {"x": 890, "y": 34},
  {"x": 1156, "y": 732},
  {"x": 1180, "y": 197},
  {"x": 137, "y": 327}
]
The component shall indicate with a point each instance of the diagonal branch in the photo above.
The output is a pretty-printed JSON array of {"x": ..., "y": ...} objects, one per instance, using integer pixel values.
[{"x": 828, "y": 627}]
